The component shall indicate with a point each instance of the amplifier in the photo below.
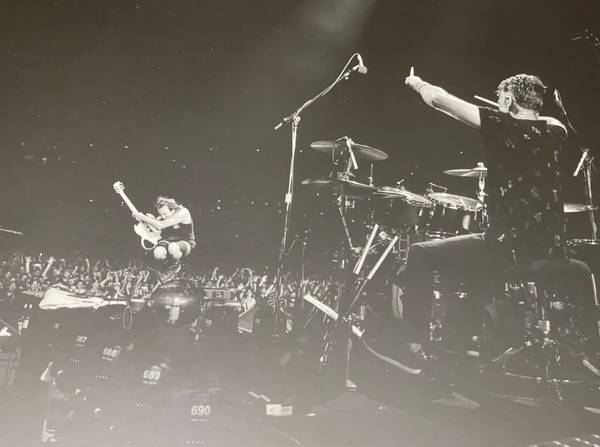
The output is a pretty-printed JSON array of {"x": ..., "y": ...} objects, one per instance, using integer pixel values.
[{"x": 216, "y": 294}]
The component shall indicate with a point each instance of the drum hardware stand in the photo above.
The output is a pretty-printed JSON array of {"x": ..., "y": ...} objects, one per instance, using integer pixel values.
[
  {"x": 481, "y": 194},
  {"x": 543, "y": 339},
  {"x": 341, "y": 206},
  {"x": 481, "y": 183},
  {"x": 301, "y": 282},
  {"x": 352, "y": 163},
  {"x": 588, "y": 192},
  {"x": 294, "y": 119},
  {"x": 303, "y": 240},
  {"x": 586, "y": 162},
  {"x": 346, "y": 318}
]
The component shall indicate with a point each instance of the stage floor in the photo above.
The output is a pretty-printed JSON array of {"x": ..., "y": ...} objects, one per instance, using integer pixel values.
[{"x": 162, "y": 388}]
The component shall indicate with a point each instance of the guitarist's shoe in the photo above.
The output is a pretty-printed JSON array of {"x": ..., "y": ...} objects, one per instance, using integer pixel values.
[
  {"x": 166, "y": 275},
  {"x": 170, "y": 273}
]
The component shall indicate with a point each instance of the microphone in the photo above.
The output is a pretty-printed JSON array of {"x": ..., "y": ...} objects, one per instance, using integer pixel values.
[
  {"x": 581, "y": 160},
  {"x": 361, "y": 68},
  {"x": 558, "y": 99}
]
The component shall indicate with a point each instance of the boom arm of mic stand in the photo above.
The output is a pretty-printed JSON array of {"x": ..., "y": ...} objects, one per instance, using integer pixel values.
[{"x": 341, "y": 77}]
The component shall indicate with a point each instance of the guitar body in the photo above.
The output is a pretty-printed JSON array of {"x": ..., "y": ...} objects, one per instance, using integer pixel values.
[{"x": 149, "y": 236}]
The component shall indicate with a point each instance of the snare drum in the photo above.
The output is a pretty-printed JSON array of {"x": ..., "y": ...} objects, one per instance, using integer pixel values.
[{"x": 452, "y": 215}]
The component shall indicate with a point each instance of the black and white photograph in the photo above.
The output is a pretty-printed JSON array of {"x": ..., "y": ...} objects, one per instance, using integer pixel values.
[{"x": 299, "y": 223}]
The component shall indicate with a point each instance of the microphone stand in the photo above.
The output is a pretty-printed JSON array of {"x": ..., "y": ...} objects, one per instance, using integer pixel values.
[
  {"x": 593, "y": 39},
  {"x": 294, "y": 120}
]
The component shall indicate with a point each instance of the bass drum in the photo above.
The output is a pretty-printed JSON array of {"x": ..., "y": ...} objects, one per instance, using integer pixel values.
[{"x": 176, "y": 302}]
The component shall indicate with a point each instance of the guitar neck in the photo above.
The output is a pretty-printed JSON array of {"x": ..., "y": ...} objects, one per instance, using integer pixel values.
[{"x": 130, "y": 205}]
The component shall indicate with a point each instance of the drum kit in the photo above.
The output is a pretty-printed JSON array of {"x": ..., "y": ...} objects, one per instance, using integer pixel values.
[
  {"x": 435, "y": 214},
  {"x": 411, "y": 217}
]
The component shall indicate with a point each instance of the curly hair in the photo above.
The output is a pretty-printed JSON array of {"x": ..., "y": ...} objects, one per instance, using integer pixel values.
[
  {"x": 169, "y": 202},
  {"x": 527, "y": 90}
]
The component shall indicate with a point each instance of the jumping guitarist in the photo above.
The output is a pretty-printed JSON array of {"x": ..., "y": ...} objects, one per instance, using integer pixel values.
[{"x": 176, "y": 229}]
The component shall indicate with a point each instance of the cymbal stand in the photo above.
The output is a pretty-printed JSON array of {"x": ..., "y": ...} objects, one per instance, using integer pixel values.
[
  {"x": 344, "y": 162},
  {"x": 352, "y": 164},
  {"x": 587, "y": 174},
  {"x": 371, "y": 178},
  {"x": 594, "y": 40},
  {"x": 481, "y": 194},
  {"x": 294, "y": 120}
]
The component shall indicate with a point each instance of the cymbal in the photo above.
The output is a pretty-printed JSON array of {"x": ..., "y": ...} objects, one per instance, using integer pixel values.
[
  {"x": 339, "y": 187},
  {"x": 579, "y": 208},
  {"x": 390, "y": 192},
  {"x": 361, "y": 151},
  {"x": 475, "y": 172},
  {"x": 6, "y": 230}
]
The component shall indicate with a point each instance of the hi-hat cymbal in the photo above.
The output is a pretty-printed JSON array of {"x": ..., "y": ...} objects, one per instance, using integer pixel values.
[
  {"x": 476, "y": 172},
  {"x": 361, "y": 151},
  {"x": 579, "y": 208},
  {"x": 346, "y": 188}
]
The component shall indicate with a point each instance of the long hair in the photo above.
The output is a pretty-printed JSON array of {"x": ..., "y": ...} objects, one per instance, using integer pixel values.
[{"x": 527, "y": 90}]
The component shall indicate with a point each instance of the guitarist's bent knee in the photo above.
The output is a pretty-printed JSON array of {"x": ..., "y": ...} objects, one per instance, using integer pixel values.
[{"x": 160, "y": 252}]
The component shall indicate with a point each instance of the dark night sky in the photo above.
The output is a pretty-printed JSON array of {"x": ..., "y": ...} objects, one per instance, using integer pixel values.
[{"x": 179, "y": 97}]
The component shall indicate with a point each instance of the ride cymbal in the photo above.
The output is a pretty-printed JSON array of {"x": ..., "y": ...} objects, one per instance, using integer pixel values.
[{"x": 361, "y": 151}]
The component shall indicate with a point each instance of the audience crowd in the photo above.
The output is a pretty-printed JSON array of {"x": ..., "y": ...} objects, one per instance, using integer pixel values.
[{"x": 112, "y": 280}]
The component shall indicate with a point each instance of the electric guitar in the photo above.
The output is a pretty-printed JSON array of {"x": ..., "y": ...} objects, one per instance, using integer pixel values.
[{"x": 149, "y": 235}]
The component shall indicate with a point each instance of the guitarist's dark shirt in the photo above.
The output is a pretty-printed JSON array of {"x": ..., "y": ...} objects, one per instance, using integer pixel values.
[{"x": 180, "y": 232}]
